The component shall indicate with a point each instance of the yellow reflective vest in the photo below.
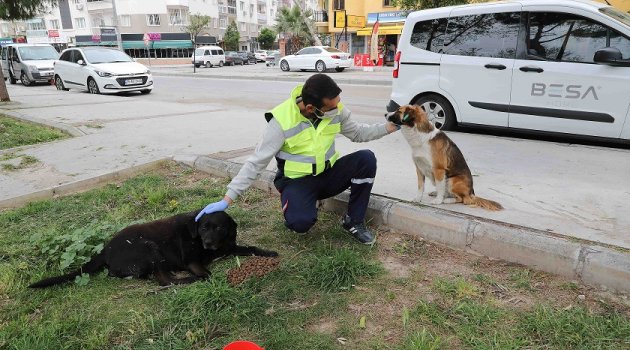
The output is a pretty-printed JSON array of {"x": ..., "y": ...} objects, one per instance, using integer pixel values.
[{"x": 306, "y": 150}]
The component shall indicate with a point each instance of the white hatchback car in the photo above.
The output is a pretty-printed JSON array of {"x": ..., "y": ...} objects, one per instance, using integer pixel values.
[
  {"x": 318, "y": 58},
  {"x": 101, "y": 70},
  {"x": 559, "y": 66}
]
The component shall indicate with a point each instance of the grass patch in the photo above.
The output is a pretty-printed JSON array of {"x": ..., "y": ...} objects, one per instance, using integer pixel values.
[
  {"x": 25, "y": 162},
  {"x": 14, "y": 133},
  {"x": 327, "y": 290}
]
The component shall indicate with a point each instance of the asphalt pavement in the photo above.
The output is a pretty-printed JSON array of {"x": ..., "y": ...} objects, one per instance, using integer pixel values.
[{"x": 565, "y": 205}]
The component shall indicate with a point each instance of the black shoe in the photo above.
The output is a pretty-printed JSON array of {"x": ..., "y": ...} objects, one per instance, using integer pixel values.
[{"x": 358, "y": 231}]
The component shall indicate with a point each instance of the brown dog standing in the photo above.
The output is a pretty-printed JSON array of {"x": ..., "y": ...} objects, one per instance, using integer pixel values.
[{"x": 437, "y": 157}]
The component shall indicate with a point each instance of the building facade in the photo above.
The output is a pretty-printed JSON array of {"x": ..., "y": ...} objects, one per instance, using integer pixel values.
[{"x": 92, "y": 22}]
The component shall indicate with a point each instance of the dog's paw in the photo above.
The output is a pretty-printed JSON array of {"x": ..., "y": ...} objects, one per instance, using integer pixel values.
[
  {"x": 418, "y": 198},
  {"x": 437, "y": 201}
]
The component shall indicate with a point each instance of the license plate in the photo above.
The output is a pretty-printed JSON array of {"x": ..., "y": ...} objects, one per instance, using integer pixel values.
[
  {"x": 46, "y": 74},
  {"x": 343, "y": 58},
  {"x": 133, "y": 81}
]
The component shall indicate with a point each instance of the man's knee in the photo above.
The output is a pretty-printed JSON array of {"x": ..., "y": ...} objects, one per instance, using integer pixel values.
[
  {"x": 300, "y": 225},
  {"x": 367, "y": 159}
]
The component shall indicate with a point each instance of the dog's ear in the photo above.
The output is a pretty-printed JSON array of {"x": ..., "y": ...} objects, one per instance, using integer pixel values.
[{"x": 193, "y": 226}]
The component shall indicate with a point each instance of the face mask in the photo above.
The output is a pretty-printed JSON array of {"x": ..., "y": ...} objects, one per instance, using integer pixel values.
[{"x": 326, "y": 115}]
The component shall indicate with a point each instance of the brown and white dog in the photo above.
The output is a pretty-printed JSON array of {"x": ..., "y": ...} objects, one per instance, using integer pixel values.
[{"x": 437, "y": 157}]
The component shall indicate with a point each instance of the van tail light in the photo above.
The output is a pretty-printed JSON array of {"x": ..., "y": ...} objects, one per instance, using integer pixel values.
[
  {"x": 396, "y": 64},
  {"x": 337, "y": 57}
]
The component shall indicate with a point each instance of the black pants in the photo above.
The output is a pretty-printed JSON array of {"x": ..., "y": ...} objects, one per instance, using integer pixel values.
[{"x": 299, "y": 196}]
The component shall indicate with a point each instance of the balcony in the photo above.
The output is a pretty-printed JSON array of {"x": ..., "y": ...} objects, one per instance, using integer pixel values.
[
  {"x": 262, "y": 18},
  {"x": 320, "y": 16},
  {"x": 181, "y": 3},
  {"x": 98, "y": 5}
]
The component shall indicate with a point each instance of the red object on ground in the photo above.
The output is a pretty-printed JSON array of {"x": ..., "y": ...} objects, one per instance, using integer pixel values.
[{"x": 242, "y": 345}]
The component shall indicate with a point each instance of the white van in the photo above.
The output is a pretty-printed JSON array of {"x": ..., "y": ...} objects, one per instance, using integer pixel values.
[
  {"x": 559, "y": 66},
  {"x": 209, "y": 56},
  {"x": 30, "y": 63}
]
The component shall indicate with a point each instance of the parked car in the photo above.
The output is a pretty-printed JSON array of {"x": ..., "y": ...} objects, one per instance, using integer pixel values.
[
  {"x": 209, "y": 56},
  {"x": 101, "y": 70},
  {"x": 273, "y": 57},
  {"x": 248, "y": 57},
  {"x": 261, "y": 55},
  {"x": 319, "y": 58},
  {"x": 559, "y": 66},
  {"x": 232, "y": 58},
  {"x": 30, "y": 63}
]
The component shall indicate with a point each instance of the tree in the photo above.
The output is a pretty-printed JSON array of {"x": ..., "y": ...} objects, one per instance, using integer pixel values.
[
  {"x": 266, "y": 38},
  {"x": 197, "y": 24},
  {"x": 413, "y": 5},
  {"x": 308, "y": 21},
  {"x": 294, "y": 23},
  {"x": 231, "y": 37}
]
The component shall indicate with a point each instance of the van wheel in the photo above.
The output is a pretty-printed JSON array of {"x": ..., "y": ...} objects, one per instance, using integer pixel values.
[
  {"x": 25, "y": 80},
  {"x": 220, "y": 63},
  {"x": 93, "y": 86},
  {"x": 59, "y": 84},
  {"x": 208, "y": 65},
  {"x": 439, "y": 111},
  {"x": 339, "y": 69},
  {"x": 320, "y": 66},
  {"x": 284, "y": 65}
]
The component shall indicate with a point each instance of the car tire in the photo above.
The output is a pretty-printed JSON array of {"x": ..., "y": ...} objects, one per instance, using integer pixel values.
[
  {"x": 146, "y": 91},
  {"x": 25, "y": 80},
  {"x": 12, "y": 79},
  {"x": 93, "y": 86},
  {"x": 208, "y": 64},
  {"x": 242, "y": 63},
  {"x": 339, "y": 69},
  {"x": 320, "y": 66},
  {"x": 59, "y": 84},
  {"x": 439, "y": 111},
  {"x": 284, "y": 66},
  {"x": 220, "y": 63},
  {"x": 197, "y": 65}
]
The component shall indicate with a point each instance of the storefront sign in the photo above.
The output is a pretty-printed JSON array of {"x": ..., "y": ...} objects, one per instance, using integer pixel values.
[
  {"x": 53, "y": 33},
  {"x": 155, "y": 36},
  {"x": 340, "y": 19},
  {"x": 96, "y": 38},
  {"x": 355, "y": 21},
  {"x": 387, "y": 17},
  {"x": 363, "y": 60}
]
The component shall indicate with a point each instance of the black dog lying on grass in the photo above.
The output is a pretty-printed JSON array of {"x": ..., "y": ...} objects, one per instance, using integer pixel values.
[{"x": 164, "y": 246}]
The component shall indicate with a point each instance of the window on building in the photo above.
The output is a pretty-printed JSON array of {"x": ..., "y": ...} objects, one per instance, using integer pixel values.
[
  {"x": 98, "y": 21},
  {"x": 78, "y": 2},
  {"x": 124, "y": 20},
  {"x": 54, "y": 24},
  {"x": 153, "y": 20},
  {"x": 36, "y": 25},
  {"x": 176, "y": 17},
  {"x": 251, "y": 9},
  {"x": 387, "y": 3},
  {"x": 242, "y": 5},
  {"x": 340, "y": 4},
  {"x": 223, "y": 23},
  {"x": 215, "y": 22},
  {"x": 243, "y": 26},
  {"x": 231, "y": 7},
  {"x": 79, "y": 22}
]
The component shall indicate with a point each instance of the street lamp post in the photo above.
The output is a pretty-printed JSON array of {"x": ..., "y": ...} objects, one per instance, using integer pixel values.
[{"x": 118, "y": 37}]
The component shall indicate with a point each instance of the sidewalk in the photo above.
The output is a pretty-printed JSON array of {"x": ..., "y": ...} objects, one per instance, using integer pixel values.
[{"x": 566, "y": 205}]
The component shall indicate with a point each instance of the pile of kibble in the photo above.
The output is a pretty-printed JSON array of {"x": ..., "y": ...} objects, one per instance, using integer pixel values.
[{"x": 256, "y": 266}]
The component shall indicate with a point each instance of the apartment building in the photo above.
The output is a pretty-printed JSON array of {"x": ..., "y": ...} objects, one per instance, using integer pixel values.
[{"x": 91, "y": 22}]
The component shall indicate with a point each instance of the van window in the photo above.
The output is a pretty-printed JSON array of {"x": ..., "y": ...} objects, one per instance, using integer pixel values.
[
  {"x": 570, "y": 38},
  {"x": 215, "y": 52},
  {"x": 221, "y": 52},
  {"x": 207, "y": 52},
  {"x": 487, "y": 35},
  {"x": 38, "y": 53},
  {"x": 429, "y": 35}
]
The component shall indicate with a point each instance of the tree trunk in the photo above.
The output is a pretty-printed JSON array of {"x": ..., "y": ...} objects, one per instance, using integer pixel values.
[{"x": 4, "y": 94}]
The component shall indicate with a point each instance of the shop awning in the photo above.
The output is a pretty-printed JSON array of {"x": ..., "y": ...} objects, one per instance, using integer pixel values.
[
  {"x": 172, "y": 44},
  {"x": 382, "y": 30},
  {"x": 134, "y": 44},
  {"x": 97, "y": 43}
]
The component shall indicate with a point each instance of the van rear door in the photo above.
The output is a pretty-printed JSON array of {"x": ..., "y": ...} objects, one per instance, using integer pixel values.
[{"x": 476, "y": 67}]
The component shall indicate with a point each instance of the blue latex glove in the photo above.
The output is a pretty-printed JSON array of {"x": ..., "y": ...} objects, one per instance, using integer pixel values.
[{"x": 212, "y": 207}]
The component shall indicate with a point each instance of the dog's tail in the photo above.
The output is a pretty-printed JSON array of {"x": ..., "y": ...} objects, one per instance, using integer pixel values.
[
  {"x": 96, "y": 264},
  {"x": 482, "y": 202}
]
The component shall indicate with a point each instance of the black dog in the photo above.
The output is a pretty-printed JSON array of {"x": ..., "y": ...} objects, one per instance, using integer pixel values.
[{"x": 160, "y": 247}]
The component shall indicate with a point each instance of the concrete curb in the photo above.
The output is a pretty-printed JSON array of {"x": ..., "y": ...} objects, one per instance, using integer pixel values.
[
  {"x": 592, "y": 263},
  {"x": 81, "y": 185},
  {"x": 276, "y": 78}
]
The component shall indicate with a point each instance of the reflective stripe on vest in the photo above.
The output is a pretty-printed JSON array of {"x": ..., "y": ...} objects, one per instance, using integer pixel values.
[{"x": 306, "y": 150}]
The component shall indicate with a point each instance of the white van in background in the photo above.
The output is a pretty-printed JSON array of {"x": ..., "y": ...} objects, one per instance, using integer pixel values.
[
  {"x": 559, "y": 67},
  {"x": 29, "y": 63},
  {"x": 209, "y": 56}
]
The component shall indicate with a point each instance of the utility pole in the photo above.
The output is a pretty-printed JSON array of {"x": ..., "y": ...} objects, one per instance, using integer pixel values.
[{"x": 118, "y": 37}]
